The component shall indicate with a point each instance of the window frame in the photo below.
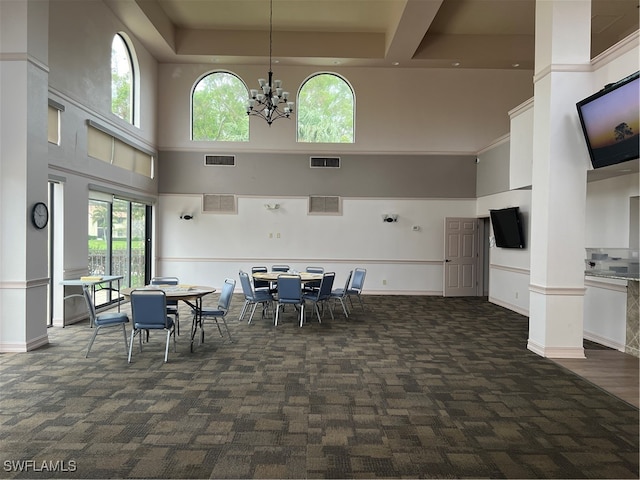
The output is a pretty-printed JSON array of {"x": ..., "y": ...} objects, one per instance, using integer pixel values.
[
  {"x": 191, "y": 105},
  {"x": 299, "y": 106}
]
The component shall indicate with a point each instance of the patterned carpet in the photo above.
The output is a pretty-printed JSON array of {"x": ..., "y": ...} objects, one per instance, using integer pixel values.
[{"x": 411, "y": 387}]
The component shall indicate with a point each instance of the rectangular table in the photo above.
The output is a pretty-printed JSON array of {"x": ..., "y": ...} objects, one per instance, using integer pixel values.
[{"x": 93, "y": 281}]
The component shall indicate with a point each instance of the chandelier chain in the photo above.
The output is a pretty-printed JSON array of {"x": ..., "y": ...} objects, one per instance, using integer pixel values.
[{"x": 270, "y": 102}]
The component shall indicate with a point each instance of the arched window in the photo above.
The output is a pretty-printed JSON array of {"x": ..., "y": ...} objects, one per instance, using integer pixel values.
[
  {"x": 218, "y": 109},
  {"x": 122, "y": 78},
  {"x": 326, "y": 110}
]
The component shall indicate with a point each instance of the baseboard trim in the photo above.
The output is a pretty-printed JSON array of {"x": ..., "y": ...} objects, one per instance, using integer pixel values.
[
  {"x": 555, "y": 352},
  {"x": 594, "y": 337},
  {"x": 21, "y": 347},
  {"x": 509, "y": 306}
]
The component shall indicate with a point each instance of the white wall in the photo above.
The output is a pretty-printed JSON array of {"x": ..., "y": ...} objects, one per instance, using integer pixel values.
[
  {"x": 508, "y": 267},
  {"x": 398, "y": 259}
]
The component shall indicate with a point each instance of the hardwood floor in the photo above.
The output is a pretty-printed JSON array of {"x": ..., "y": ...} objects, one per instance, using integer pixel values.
[{"x": 611, "y": 370}]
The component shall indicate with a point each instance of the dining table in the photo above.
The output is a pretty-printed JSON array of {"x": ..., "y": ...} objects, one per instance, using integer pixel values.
[
  {"x": 273, "y": 276},
  {"x": 192, "y": 295}
]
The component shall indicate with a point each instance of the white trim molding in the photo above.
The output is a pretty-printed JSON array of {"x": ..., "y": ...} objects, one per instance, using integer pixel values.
[{"x": 566, "y": 291}]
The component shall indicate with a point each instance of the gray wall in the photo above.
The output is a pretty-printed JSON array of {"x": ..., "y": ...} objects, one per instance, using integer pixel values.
[{"x": 379, "y": 176}]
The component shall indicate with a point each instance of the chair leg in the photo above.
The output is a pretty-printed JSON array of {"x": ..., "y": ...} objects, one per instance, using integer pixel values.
[
  {"x": 301, "y": 314},
  {"x": 253, "y": 310},
  {"x": 244, "y": 310},
  {"x": 126, "y": 345},
  {"x": 227, "y": 328},
  {"x": 317, "y": 312},
  {"x": 277, "y": 314},
  {"x": 344, "y": 307},
  {"x": 166, "y": 349},
  {"x": 93, "y": 337},
  {"x": 133, "y": 335}
]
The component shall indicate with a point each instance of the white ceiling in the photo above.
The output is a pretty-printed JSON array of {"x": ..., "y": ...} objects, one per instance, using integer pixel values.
[{"x": 376, "y": 33}]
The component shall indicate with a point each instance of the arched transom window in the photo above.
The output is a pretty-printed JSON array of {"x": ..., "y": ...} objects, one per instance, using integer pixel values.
[
  {"x": 122, "y": 79},
  {"x": 326, "y": 110},
  {"x": 218, "y": 109}
]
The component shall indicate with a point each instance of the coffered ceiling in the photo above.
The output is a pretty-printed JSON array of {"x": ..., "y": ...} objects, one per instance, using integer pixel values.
[{"x": 372, "y": 33}]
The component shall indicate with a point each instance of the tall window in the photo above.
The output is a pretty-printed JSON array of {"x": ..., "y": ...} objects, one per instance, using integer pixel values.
[
  {"x": 122, "y": 81},
  {"x": 218, "y": 109},
  {"x": 326, "y": 110},
  {"x": 117, "y": 241}
]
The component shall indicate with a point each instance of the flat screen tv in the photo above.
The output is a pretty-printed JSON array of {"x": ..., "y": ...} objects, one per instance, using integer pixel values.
[
  {"x": 610, "y": 122},
  {"x": 507, "y": 227}
]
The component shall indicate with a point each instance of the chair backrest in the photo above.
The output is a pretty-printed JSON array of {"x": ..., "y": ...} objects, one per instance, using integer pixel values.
[
  {"x": 358, "y": 279},
  {"x": 280, "y": 268},
  {"x": 164, "y": 281},
  {"x": 289, "y": 288},
  {"x": 86, "y": 292},
  {"x": 227, "y": 293},
  {"x": 326, "y": 285},
  {"x": 315, "y": 270},
  {"x": 245, "y": 283},
  {"x": 260, "y": 283},
  {"x": 346, "y": 284},
  {"x": 149, "y": 309}
]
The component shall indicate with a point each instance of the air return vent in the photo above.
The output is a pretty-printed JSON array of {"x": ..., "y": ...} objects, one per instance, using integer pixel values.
[
  {"x": 220, "y": 160},
  {"x": 325, "y": 162},
  {"x": 324, "y": 205},
  {"x": 213, "y": 203}
]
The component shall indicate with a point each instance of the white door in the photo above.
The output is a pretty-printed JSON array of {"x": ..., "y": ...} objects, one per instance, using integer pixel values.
[{"x": 460, "y": 257}]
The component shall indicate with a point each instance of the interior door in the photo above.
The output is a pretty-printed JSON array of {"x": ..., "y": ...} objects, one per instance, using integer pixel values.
[{"x": 460, "y": 257}]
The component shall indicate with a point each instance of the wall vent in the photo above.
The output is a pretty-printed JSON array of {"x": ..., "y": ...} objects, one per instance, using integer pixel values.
[
  {"x": 215, "y": 203},
  {"x": 324, "y": 162},
  {"x": 220, "y": 160},
  {"x": 324, "y": 205}
]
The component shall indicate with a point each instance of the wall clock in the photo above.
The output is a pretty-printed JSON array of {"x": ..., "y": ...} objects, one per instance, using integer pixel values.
[{"x": 40, "y": 215}]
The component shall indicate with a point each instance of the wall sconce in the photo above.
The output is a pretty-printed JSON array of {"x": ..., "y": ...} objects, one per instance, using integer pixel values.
[
  {"x": 389, "y": 217},
  {"x": 272, "y": 206},
  {"x": 186, "y": 216}
]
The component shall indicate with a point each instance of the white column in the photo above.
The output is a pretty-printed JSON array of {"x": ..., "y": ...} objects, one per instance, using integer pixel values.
[
  {"x": 559, "y": 179},
  {"x": 24, "y": 27}
]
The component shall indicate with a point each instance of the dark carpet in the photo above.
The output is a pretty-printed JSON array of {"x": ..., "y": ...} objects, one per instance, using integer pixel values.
[{"x": 409, "y": 387}]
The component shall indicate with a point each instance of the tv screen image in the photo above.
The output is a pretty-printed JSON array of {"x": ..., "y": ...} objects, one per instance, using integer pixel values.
[
  {"x": 507, "y": 227},
  {"x": 610, "y": 121}
]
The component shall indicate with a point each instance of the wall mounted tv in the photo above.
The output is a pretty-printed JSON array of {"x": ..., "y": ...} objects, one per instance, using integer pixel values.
[
  {"x": 507, "y": 227},
  {"x": 610, "y": 122}
]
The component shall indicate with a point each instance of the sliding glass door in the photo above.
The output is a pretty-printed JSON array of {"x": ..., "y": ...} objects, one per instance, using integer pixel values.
[{"x": 118, "y": 243}]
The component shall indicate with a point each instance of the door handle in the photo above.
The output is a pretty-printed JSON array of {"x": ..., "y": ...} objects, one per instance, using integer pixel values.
[{"x": 447, "y": 260}]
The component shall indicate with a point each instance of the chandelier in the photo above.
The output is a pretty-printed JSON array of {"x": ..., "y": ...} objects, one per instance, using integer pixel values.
[{"x": 270, "y": 102}]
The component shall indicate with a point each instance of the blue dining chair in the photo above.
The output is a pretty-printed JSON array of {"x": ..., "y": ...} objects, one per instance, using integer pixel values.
[
  {"x": 315, "y": 284},
  {"x": 172, "y": 305},
  {"x": 219, "y": 313},
  {"x": 290, "y": 293},
  {"x": 103, "y": 320},
  {"x": 340, "y": 294},
  {"x": 321, "y": 295},
  {"x": 357, "y": 282},
  {"x": 149, "y": 312},
  {"x": 253, "y": 297}
]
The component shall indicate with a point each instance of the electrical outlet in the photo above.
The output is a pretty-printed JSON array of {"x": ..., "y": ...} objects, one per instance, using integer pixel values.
[
  {"x": 278, "y": 235},
  {"x": 270, "y": 235},
  {"x": 516, "y": 294},
  {"x": 384, "y": 282}
]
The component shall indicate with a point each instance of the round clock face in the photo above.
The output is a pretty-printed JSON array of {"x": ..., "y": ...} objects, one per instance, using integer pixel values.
[{"x": 40, "y": 215}]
